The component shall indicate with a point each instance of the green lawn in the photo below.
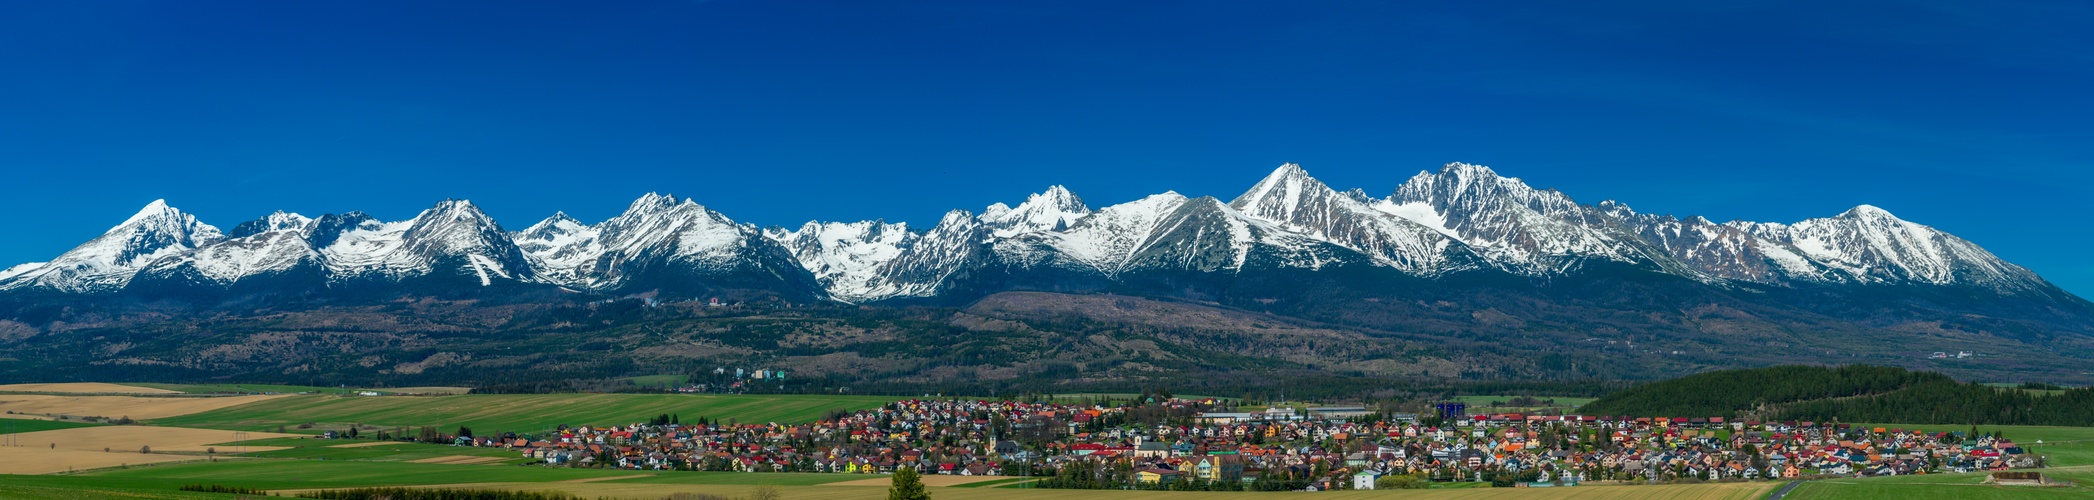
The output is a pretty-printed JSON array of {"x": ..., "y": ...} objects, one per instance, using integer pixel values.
[
  {"x": 522, "y": 413},
  {"x": 13, "y": 425}
]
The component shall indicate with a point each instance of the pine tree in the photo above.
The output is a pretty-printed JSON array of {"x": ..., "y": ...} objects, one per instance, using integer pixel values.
[{"x": 907, "y": 486}]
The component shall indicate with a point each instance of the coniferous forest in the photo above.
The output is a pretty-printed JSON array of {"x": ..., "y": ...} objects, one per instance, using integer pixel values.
[{"x": 1857, "y": 393}]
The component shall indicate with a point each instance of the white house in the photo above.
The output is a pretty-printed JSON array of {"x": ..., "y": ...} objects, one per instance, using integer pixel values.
[{"x": 1364, "y": 480}]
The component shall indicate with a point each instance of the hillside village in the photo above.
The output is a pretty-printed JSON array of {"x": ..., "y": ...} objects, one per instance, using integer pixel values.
[{"x": 1190, "y": 444}]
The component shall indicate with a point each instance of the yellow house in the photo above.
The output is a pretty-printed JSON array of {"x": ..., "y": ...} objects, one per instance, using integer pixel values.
[{"x": 1152, "y": 475}]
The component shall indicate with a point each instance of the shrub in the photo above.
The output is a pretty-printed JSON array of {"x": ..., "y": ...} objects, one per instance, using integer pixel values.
[{"x": 1402, "y": 482}]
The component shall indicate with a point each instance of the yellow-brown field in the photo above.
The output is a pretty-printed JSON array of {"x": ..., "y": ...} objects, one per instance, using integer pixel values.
[
  {"x": 120, "y": 406},
  {"x": 131, "y": 438},
  {"x": 84, "y": 388},
  {"x": 615, "y": 489},
  {"x": 44, "y": 460}
]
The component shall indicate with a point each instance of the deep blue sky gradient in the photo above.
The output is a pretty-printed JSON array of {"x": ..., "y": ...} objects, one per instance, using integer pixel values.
[{"x": 1968, "y": 117}]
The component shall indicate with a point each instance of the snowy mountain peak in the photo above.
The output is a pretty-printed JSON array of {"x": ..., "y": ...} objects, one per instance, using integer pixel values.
[
  {"x": 552, "y": 227},
  {"x": 158, "y": 209},
  {"x": 278, "y": 221},
  {"x": 454, "y": 223},
  {"x": 1284, "y": 191},
  {"x": 651, "y": 202},
  {"x": 1292, "y": 199},
  {"x": 1459, "y": 218},
  {"x": 455, "y": 209},
  {"x": 1868, "y": 212},
  {"x": 1463, "y": 184},
  {"x": 112, "y": 259},
  {"x": 1052, "y": 210}
]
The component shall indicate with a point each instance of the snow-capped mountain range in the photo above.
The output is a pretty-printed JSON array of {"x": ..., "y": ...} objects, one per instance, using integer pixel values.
[{"x": 1461, "y": 219}]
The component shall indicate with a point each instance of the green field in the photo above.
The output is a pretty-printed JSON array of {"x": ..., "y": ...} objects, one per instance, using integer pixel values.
[
  {"x": 2066, "y": 446},
  {"x": 17, "y": 488},
  {"x": 521, "y": 413},
  {"x": 329, "y": 449},
  {"x": 1945, "y": 486},
  {"x": 13, "y": 425},
  {"x": 2071, "y": 451}
]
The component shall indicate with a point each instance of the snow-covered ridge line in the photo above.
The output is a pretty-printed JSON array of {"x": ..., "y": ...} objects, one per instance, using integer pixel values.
[{"x": 1460, "y": 218}]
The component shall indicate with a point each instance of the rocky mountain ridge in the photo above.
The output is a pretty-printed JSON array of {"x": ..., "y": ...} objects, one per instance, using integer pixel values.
[{"x": 1461, "y": 219}]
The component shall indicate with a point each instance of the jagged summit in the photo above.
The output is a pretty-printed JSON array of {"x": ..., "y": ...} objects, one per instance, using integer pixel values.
[{"x": 1052, "y": 210}]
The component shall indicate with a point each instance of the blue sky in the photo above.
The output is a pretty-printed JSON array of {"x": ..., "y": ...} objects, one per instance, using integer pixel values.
[{"x": 1968, "y": 117}]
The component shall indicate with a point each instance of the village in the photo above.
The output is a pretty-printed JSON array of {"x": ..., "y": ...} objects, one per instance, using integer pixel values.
[{"x": 1194, "y": 444}]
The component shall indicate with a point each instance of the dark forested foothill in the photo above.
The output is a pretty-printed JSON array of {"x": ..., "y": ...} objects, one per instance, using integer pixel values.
[{"x": 1858, "y": 393}]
